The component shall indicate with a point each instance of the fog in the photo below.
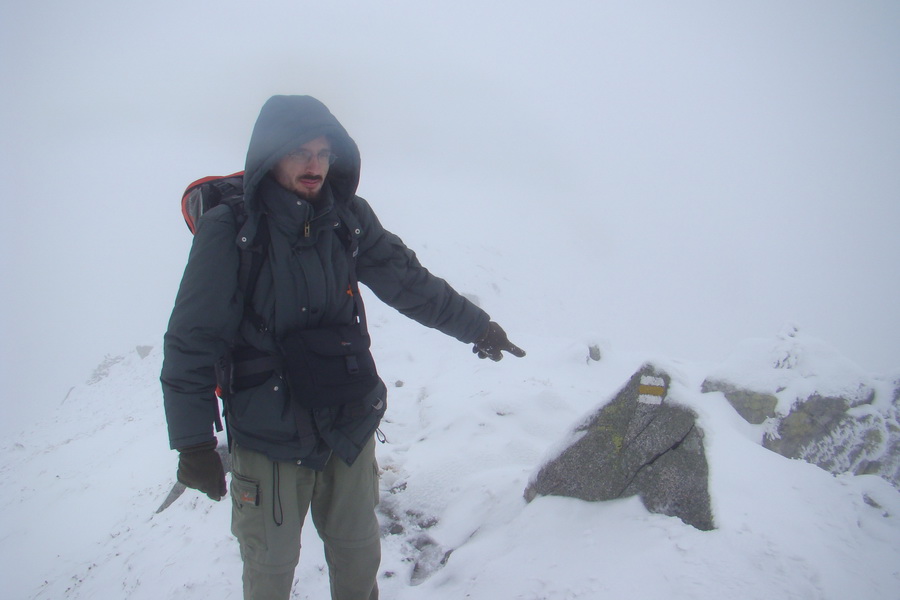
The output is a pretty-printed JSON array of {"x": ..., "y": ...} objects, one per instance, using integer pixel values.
[{"x": 676, "y": 177}]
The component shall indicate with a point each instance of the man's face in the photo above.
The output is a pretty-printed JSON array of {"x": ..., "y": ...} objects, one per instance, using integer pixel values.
[{"x": 303, "y": 171}]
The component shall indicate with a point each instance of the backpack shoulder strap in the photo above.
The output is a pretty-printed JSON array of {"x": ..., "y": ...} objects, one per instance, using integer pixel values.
[{"x": 252, "y": 259}]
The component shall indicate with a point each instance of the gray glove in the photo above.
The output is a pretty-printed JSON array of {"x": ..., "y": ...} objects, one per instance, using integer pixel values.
[
  {"x": 494, "y": 342},
  {"x": 200, "y": 468}
]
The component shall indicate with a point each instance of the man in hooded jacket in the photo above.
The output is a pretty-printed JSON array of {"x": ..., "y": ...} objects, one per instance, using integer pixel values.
[{"x": 300, "y": 179}]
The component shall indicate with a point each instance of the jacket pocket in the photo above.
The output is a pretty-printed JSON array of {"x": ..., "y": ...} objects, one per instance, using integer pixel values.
[
  {"x": 264, "y": 411},
  {"x": 347, "y": 429},
  {"x": 364, "y": 414}
]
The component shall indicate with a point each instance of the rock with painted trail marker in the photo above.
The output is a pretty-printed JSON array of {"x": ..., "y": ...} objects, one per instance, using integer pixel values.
[{"x": 640, "y": 443}]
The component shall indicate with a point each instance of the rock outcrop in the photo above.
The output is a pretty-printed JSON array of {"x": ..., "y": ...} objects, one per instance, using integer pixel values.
[
  {"x": 640, "y": 443},
  {"x": 814, "y": 404},
  {"x": 839, "y": 434},
  {"x": 755, "y": 407}
]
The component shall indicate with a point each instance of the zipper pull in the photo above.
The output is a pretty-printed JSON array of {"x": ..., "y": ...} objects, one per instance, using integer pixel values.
[{"x": 306, "y": 230}]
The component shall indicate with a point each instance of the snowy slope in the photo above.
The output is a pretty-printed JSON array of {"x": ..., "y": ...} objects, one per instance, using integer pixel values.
[{"x": 463, "y": 436}]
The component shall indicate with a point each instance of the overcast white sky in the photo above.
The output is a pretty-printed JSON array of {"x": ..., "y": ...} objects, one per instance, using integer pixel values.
[{"x": 674, "y": 176}]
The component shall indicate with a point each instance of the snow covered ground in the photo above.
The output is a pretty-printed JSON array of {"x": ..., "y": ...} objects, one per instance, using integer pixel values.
[{"x": 463, "y": 437}]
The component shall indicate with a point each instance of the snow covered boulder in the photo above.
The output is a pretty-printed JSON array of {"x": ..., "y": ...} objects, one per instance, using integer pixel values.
[
  {"x": 814, "y": 404},
  {"x": 841, "y": 434},
  {"x": 841, "y": 437},
  {"x": 640, "y": 443},
  {"x": 754, "y": 407}
]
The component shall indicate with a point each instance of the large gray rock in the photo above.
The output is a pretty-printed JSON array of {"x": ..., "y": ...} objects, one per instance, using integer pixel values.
[
  {"x": 838, "y": 434},
  {"x": 755, "y": 407},
  {"x": 808, "y": 422},
  {"x": 839, "y": 437},
  {"x": 640, "y": 444}
]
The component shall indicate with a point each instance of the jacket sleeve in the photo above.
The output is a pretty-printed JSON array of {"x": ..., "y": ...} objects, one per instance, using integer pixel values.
[
  {"x": 204, "y": 320},
  {"x": 393, "y": 272}
]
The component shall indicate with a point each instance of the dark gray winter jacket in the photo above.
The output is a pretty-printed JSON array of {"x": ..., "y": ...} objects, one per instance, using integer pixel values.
[{"x": 303, "y": 284}]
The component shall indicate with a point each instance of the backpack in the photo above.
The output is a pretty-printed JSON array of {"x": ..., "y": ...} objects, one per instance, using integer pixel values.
[{"x": 208, "y": 192}]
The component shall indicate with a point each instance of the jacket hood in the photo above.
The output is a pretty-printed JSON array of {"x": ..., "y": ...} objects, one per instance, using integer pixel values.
[{"x": 287, "y": 122}]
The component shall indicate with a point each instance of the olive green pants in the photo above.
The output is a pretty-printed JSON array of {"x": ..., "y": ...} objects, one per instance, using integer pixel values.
[{"x": 270, "y": 501}]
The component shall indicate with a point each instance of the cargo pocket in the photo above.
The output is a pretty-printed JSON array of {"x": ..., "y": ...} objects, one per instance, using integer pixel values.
[{"x": 247, "y": 517}]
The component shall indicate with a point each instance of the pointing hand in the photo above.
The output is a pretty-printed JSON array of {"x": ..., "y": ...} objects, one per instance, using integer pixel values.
[{"x": 494, "y": 342}]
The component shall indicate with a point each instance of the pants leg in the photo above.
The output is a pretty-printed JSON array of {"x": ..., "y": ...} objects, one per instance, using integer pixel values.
[
  {"x": 343, "y": 511},
  {"x": 267, "y": 586},
  {"x": 269, "y": 505}
]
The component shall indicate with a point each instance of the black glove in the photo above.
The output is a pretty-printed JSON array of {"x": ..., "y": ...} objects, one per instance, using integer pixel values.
[
  {"x": 493, "y": 342},
  {"x": 200, "y": 468}
]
